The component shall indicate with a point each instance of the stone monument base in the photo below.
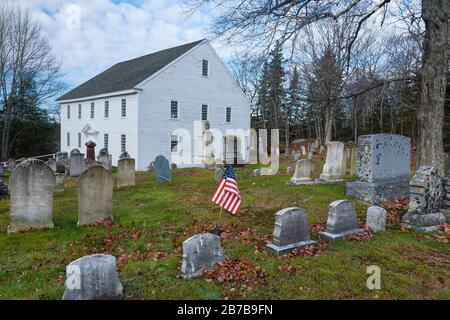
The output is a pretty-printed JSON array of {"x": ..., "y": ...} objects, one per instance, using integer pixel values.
[
  {"x": 337, "y": 236},
  {"x": 300, "y": 181},
  {"x": 423, "y": 222},
  {"x": 21, "y": 227},
  {"x": 322, "y": 180},
  {"x": 377, "y": 193},
  {"x": 280, "y": 250}
]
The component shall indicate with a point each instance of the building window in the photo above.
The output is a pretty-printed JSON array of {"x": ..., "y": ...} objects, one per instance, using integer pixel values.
[
  {"x": 105, "y": 141},
  {"x": 205, "y": 70},
  {"x": 68, "y": 139},
  {"x": 174, "y": 109},
  {"x": 204, "y": 112},
  {"x": 92, "y": 110},
  {"x": 68, "y": 112},
  {"x": 123, "y": 142},
  {"x": 79, "y": 140},
  {"x": 106, "y": 109},
  {"x": 174, "y": 143},
  {"x": 79, "y": 111},
  {"x": 124, "y": 108},
  {"x": 228, "y": 114}
]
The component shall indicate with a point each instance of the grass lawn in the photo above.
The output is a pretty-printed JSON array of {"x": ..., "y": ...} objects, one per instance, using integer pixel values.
[{"x": 153, "y": 220}]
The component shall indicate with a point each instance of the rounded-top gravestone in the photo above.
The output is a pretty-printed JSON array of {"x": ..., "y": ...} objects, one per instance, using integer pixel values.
[
  {"x": 76, "y": 163},
  {"x": 31, "y": 186},
  {"x": 95, "y": 192},
  {"x": 162, "y": 169},
  {"x": 126, "y": 175}
]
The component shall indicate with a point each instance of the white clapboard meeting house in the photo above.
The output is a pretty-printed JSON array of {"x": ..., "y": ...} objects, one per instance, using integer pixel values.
[{"x": 140, "y": 106}]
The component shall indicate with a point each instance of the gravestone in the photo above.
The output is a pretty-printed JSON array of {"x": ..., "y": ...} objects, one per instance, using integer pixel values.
[
  {"x": 289, "y": 170},
  {"x": 12, "y": 163},
  {"x": 296, "y": 156},
  {"x": 61, "y": 159},
  {"x": 95, "y": 192},
  {"x": 302, "y": 173},
  {"x": 218, "y": 174},
  {"x": 126, "y": 175},
  {"x": 76, "y": 163},
  {"x": 303, "y": 148},
  {"x": 200, "y": 252},
  {"x": 90, "y": 150},
  {"x": 93, "y": 277},
  {"x": 90, "y": 163},
  {"x": 446, "y": 198},
  {"x": 353, "y": 159},
  {"x": 383, "y": 168},
  {"x": 162, "y": 169},
  {"x": 341, "y": 221},
  {"x": 291, "y": 231},
  {"x": 376, "y": 219},
  {"x": 334, "y": 167},
  {"x": 52, "y": 164},
  {"x": 424, "y": 212},
  {"x": 151, "y": 166},
  {"x": 2, "y": 173},
  {"x": 3, "y": 189},
  {"x": 105, "y": 158},
  {"x": 59, "y": 182},
  {"x": 31, "y": 186},
  {"x": 124, "y": 155},
  {"x": 256, "y": 172}
]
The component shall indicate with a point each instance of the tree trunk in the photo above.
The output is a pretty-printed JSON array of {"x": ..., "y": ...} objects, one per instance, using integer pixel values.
[
  {"x": 433, "y": 82},
  {"x": 328, "y": 123}
]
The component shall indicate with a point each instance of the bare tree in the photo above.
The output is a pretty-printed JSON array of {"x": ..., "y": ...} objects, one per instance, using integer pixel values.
[{"x": 26, "y": 65}]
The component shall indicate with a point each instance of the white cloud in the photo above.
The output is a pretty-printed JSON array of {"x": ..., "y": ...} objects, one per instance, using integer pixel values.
[{"x": 111, "y": 32}]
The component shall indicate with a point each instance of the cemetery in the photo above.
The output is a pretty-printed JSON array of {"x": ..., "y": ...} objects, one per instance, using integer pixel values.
[{"x": 148, "y": 235}]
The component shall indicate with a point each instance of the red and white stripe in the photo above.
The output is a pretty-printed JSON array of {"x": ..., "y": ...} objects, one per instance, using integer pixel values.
[{"x": 227, "y": 195}]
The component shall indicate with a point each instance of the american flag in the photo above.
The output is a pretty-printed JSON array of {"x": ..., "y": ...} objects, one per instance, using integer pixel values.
[{"x": 227, "y": 193}]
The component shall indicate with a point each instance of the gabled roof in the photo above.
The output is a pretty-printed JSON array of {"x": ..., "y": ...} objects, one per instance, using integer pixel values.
[{"x": 126, "y": 75}]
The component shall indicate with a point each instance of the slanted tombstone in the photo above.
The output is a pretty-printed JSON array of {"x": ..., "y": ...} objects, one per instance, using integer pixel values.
[
  {"x": 424, "y": 211},
  {"x": 200, "y": 252},
  {"x": 93, "y": 277},
  {"x": 341, "y": 221},
  {"x": 383, "y": 168},
  {"x": 31, "y": 186},
  {"x": 51, "y": 163},
  {"x": 126, "y": 175},
  {"x": 334, "y": 167},
  {"x": 218, "y": 174},
  {"x": 105, "y": 159},
  {"x": 162, "y": 169},
  {"x": 302, "y": 173},
  {"x": 291, "y": 231},
  {"x": 59, "y": 182},
  {"x": 90, "y": 150},
  {"x": 95, "y": 192},
  {"x": 376, "y": 219},
  {"x": 76, "y": 163}
]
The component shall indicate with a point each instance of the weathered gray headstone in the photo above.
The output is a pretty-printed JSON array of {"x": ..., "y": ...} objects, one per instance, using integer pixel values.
[
  {"x": 289, "y": 170},
  {"x": 302, "y": 173},
  {"x": 376, "y": 219},
  {"x": 151, "y": 166},
  {"x": 424, "y": 211},
  {"x": 383, "y": 168},
  {"x": 334, "y": 167},
  {"x": 162, "y": 169},
  {"x": 126, "y": 175},
  {"x": 31, "y": 186},
  {"x": 95, "y": 192},
  {"x": 105, "y": 158},
  {"x": 59, "y": 179},
  {"x": 90, "y": 163},
  {"x": 256, "y": 172},
  {"x": 52, "y": 164},
  {"x": 12, "y": 163},
  {"x": 200, "y": 252},
  {"x": 291, "y": 231},
  {"x": 76, "y": 163},
  {"x": 218, "y": 174},
  {"x": 124, "y": 155},
  {"x": 341, "y": 221},
  {"x": 93, "y": 277}
]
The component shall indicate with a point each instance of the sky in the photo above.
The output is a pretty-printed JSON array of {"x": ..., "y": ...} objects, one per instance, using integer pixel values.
[{"x": 89, "y": 36}]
